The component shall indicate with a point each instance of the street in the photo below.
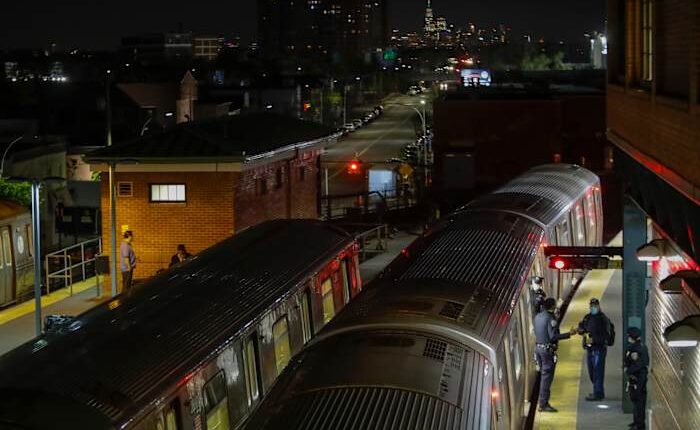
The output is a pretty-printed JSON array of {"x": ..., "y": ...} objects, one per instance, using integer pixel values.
[{"x": 372, "y": 144}]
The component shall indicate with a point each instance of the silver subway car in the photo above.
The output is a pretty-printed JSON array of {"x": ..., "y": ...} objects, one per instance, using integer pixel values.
[
  {"x": 16, "y": 251},
  {"x": 196, "y": 347},
  {"x": 443, "y": 340}
]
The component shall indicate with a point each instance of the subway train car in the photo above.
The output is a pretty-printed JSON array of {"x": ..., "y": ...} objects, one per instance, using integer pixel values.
[
  {"x": 444, "y": 339},
  {"x": 196, "y": 347},
  {"x": 16, "y": 250}
]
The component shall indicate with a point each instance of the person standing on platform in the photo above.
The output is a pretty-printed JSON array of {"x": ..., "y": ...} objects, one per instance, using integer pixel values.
[
  {"x": 127, "y": 261},
  {"x": 547, "y": 337},
  {"x": 636, "y": 365},
  {"x": 598, "y": 333}
]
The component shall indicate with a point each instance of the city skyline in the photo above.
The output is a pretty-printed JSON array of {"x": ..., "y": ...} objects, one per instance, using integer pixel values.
[{"x": 77, "y": 24}]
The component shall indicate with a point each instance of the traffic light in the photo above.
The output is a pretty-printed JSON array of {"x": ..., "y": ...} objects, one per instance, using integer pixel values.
[
  {"x": 355, "y": 167},
  {"x": 559, "y": 262}
]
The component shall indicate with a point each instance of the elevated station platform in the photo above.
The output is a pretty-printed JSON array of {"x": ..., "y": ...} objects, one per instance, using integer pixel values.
[{"x": 571, "y": 381}]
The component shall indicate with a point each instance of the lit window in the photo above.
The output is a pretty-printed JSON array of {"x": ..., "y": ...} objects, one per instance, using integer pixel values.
[
  {"x": 328, "y": 302},
  {"x": 250, "y": 363},
  {"x": 280, "y": 334},
  {"x": 168, "y": 193},
  {"x": 305, "y": 311},
  {"x": 7, "y": 247},
  {"x": 215, "y": 403}
]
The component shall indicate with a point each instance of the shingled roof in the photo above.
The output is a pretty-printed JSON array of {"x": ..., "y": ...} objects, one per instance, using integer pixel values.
[{"x": 233, "y": 139}]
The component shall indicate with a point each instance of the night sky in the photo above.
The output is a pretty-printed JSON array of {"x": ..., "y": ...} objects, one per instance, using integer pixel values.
[{"x": 98, "y": 24}]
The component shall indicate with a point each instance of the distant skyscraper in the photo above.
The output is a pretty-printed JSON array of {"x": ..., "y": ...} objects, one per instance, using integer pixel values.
[
  {"x": 313, "y": 28},
  {"x": 429, "y": 19}
]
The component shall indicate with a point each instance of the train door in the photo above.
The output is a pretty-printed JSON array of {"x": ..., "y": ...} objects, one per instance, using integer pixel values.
[
  {"x": 563, "y": 232},
  {"x": 591, "y": 219},
  {"x": 216, "y": 403},
  {"x": 7, "y": 272}
]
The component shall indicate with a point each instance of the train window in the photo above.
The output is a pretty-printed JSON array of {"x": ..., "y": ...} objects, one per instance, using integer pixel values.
[
  {"x": 30, "y": 239},
  {"x": 328, "y": 302},
  {"x": 305, "y": 310},
  {"x": 7, "y": 247},
  {"x": 169, "y": 417},
  {"x": 591, "y": 217},
  {"x": 515, "y": 345},
  {"x": 250, "y": 363},
  {"x": 216, "y": 403},
  {"x": 283, "y": 351},
  {"x": 346, "y": 280}
]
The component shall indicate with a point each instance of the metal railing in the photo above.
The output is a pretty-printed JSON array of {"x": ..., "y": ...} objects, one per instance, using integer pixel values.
[
  {"x": 72, "y": 264},
  {"x": 347, "y": 205},
  {"x": 373, "y": 239}
]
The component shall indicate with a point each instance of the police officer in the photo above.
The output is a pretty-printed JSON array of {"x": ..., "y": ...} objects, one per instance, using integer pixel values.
[
  {"x": 596, "y": 329},
  {"x": 636, "y": 364},
  {"x": 538, "y": 293},
  {"x": 547, "y": 337}
]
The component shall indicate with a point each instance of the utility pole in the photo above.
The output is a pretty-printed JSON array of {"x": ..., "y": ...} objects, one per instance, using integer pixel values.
[
  {"x": 112, "y": 192},
  {"x": 36, "y": 233}
]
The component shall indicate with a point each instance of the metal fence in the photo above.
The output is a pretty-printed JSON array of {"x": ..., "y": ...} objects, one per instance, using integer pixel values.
[
  {"x": 352, "y": 205},
  {"x": 72, "y": 264}
]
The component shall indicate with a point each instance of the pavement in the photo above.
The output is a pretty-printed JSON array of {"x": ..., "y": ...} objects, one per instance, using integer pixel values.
[
  {"x": 373, "y": 144},
  {"x": 571, "y": 382},
  {"x": 371, "y": 268},
  {"x": 17, "y": 324}
]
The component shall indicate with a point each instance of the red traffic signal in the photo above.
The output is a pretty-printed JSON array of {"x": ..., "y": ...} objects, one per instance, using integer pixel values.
[
  {"x": 559, "y": 262},
  {"x": 354, "y": 167}
]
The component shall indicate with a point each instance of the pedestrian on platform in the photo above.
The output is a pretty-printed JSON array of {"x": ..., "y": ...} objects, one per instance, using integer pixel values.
[
  {"x": 636, "y": 365},
  {"x": 180, "y": 256},
  {"x": 127, "y": 261},
  {"x": 547, "y": 337},
  {"x": 598, "y": 333}
]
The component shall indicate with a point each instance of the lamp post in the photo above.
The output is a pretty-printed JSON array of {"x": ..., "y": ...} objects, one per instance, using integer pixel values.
[{"x": 36, "y": 232}]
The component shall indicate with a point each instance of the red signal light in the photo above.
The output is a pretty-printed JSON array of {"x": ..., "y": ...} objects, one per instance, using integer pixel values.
[
  {"x": 354, "y": 167},
  {"x": 559, "y": 263},
  {"x": 307, "y": 106}
]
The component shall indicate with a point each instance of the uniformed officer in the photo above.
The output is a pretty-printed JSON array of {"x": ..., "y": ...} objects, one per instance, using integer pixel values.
[
  {"x": 636, "y": 367},
  {"x": 547, "y": 336},
  {"x": 596, "y": 329},
  {"x": 538, "y": 293}
]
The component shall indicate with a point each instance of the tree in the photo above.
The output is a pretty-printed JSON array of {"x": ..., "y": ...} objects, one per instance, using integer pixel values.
[{"x": 18, "y": 192}]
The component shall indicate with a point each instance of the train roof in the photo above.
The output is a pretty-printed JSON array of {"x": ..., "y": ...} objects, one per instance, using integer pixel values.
[
  {"x": 468, "y": 272},
  {"x": 543, "y": 194},
  {"x": 10, "y": 210},
  {"x": 116, "y": 357}
]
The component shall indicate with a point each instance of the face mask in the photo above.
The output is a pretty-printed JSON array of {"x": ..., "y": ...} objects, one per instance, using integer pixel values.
[
  {"x": 594, "y": 310},
  {"x": 631, "y": 340}
]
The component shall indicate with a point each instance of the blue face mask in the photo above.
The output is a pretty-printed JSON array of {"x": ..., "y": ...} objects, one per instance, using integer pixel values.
[{"x": 594, "y": 310}]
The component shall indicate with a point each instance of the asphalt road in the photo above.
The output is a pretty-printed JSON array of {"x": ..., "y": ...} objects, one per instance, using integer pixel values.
[{"x": 373, "y": 144}]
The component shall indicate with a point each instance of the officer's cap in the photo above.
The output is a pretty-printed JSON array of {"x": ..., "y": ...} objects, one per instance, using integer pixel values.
[
  {"x": 549, "y": 303},
  {"x": 594, "y": 301},
  {"x": 634, "y": 333}
]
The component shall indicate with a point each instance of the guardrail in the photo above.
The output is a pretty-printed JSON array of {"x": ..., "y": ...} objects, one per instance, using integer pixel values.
[
  {"x": 71, "y": 264},
  {"x": 377, "y": 235},
  {"x": 346, "y": 205}
]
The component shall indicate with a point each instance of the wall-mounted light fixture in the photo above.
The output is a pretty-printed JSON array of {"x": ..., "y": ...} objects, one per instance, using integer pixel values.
[
  {"x": 652, "y": 251},
  {"x": 684, "y": 333},
  {"x": 674, "y": 283}
]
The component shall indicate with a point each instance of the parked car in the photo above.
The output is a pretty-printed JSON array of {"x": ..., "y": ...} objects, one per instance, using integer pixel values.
[
  {"x": 349, "y": 127},
  {"x": 358, "y": 123}
]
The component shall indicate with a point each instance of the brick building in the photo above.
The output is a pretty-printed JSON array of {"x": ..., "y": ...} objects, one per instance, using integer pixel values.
[
  {"x": 484, "y": 137},
  {"x": 653, "y": 113},
  {"x": 198, "y": 183}
]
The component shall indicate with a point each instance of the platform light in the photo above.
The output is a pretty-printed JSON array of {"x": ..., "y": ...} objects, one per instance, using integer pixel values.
[
  {"x": 684, "y": 333},
  {"x": 675, "y": 283},
  {"x": 652, "y": 251}
]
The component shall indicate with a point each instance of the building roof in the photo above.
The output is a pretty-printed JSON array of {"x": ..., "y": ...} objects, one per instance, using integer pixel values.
[
  {"x": 10, "y": 209},
  {"x": 234, "y": 138}
]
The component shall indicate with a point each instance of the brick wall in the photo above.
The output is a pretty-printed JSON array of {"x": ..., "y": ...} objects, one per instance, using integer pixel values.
[
  {"x": 295, "y": 198},
  {"x": 661, "y": 119},
  {"x": 205, "y": 219}
]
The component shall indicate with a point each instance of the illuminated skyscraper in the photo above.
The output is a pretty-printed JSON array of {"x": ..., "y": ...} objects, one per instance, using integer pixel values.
[
  {"x": 322, "y": 28},
  {"x": 429, "y": 19}
]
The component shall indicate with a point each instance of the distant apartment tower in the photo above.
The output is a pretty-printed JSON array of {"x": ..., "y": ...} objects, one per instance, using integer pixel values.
[
  {"x": 331, "y": 28},
  {"x": 207, "y": 47},
  {"x": 599, "y": 51},
  {"x": 429, "y": 27}
]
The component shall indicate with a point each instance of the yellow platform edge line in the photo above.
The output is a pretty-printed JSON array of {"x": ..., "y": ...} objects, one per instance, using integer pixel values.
[{"x": 25, "y": 308}]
